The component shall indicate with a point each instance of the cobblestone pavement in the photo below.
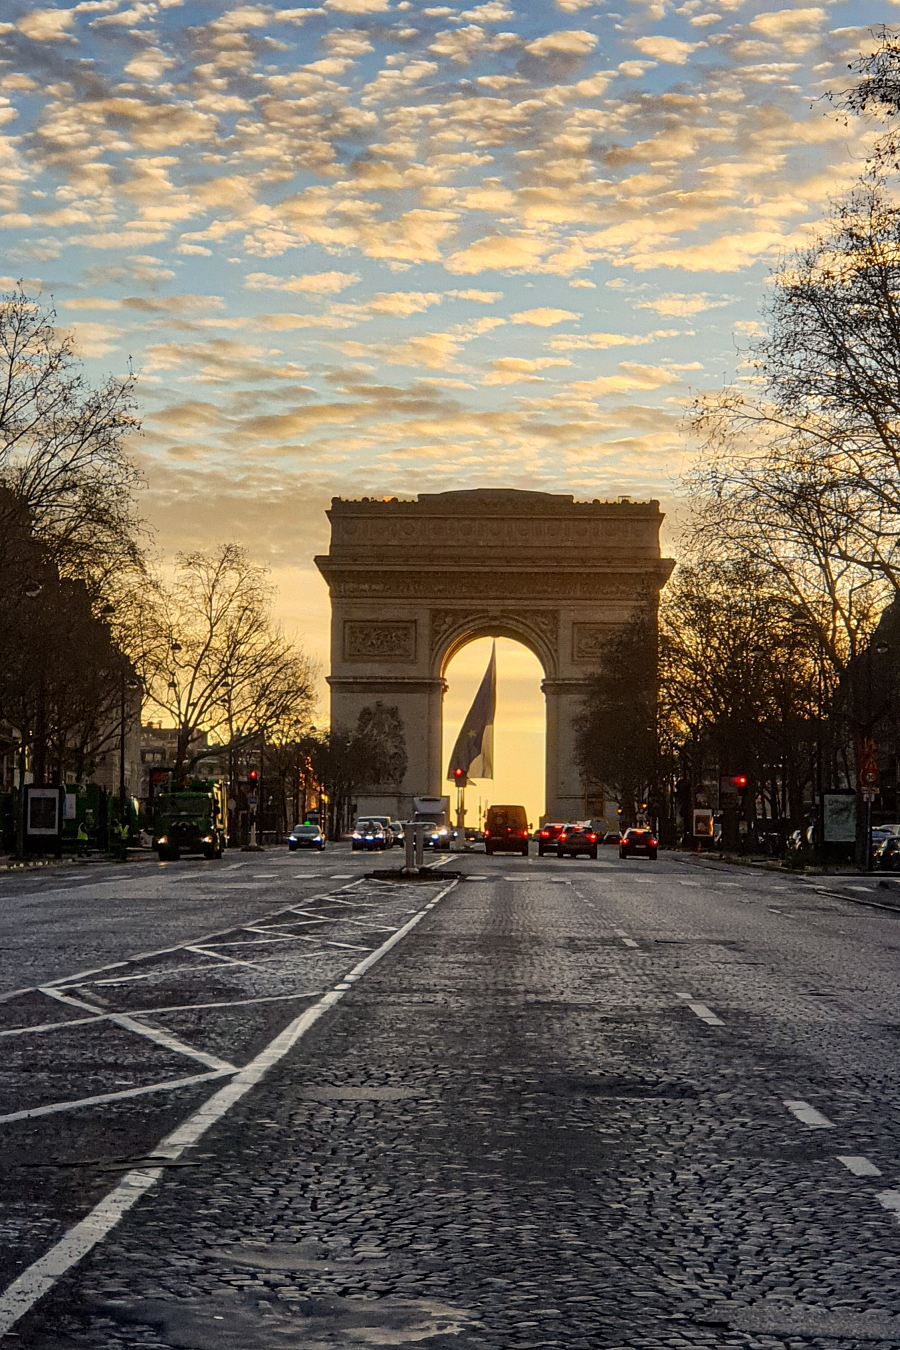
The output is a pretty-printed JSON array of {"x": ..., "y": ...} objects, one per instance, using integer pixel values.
[{"x": 579, "y": 1105}]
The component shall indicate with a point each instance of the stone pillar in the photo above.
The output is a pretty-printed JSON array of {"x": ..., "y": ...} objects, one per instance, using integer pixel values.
[
  {"x": 418, "y": 701},
  {"x": 565, "y": 790}
]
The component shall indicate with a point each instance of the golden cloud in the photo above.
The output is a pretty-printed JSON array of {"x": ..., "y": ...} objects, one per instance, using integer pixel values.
[{"x": 544, "y": 316}]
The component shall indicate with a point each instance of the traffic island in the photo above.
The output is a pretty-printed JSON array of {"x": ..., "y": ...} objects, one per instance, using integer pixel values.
[{"x": 412, "y": 874}]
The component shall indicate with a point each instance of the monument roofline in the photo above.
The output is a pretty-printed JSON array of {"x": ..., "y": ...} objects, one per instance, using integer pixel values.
[{"x": 489, "y": 501}]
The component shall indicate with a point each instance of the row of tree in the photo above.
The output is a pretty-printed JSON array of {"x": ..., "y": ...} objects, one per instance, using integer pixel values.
[
  {"x": 88, "y": 625},
  {"x": 791, "y": 554}
]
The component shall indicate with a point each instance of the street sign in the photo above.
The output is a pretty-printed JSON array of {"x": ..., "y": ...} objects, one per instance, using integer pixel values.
[
  {"x": 252, "y": 801},
  {"x": 868, "y": 794}
]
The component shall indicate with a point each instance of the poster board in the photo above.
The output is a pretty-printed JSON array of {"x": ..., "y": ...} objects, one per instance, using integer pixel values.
[{"x": 839, "y": 817}]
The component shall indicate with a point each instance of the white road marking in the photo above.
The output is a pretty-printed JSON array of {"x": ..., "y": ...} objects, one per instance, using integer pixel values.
[
  {"x": 689, "y": 883},
  {"x": 628, "y": 942},
  {"x": 53, "y": 1108},
  {"x": 860, "y": 1167},
  {"x": 619, "y": 932},
  {"x": 706, "y": 1014},
  {"x": 682, "y": 994},
  {"x": 860, "y": 888},
  {"x": 40, "y": 1277},
  {"x": 155, "y": 1034},
  {"x": 890, "y": 1200},
  {"x": 341, "y": 876},
  {"x": 809, "y": 1115}
]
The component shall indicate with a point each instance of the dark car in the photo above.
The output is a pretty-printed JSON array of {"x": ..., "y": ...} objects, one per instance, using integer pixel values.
[
  {"x": 638, "y": 843},
  {"x": 369, "y": 834},
  {"x": 887, "y": 854},
  {"x": 547, "y": 837},
  {"x": 306, "y": 836},
  {"x": 506, "y": 830},
  {"x": 612, "y": 837},
  {"x": 576, "y": 839}
]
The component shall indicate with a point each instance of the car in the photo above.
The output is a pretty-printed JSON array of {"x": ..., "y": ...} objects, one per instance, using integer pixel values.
[
  {"x": 506, "y": 830},
  {"x": 612, "y": 837},
  {"x": 437, "y": 836},
  {"x": 399, "y": 838},
  {"x": 306, "y": 836},
  {"x": 886, "y": 855},
  {"x": 547, "y": 837},
  {"x": 638, "y": 842},
  {"x": 386, "y": 824},
  {"x": 369, "y": 834},
  {"x": 576, "y": 839}
]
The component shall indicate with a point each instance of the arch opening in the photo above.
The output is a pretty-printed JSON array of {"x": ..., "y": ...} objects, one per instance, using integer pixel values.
[{"x": 519, "y": 726}]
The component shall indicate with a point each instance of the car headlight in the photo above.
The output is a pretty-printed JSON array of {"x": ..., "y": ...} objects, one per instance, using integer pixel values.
[{"x": 162, "y": 839}]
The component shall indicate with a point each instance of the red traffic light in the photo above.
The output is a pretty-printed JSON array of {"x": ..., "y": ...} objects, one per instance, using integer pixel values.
[
  {"x": 740, "y": 780},
  {"x": 459, "y": 774},
  {"x": 252, "y": 776}
]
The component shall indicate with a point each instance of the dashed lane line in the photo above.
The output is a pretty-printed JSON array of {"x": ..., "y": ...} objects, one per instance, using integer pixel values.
[
  {"x": 41, "y": 1276},
  {"x": 890, "y": 1200},
  {"x": 859, "y": 1166},
  {"x": 808, "y": 1115}
]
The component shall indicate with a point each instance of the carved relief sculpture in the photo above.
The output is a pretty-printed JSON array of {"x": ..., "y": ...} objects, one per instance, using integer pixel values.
[{"x": 367, "y": 641}]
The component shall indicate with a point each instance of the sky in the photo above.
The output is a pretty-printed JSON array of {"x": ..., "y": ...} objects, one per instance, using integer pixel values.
[{"x": 378, "y": 247}]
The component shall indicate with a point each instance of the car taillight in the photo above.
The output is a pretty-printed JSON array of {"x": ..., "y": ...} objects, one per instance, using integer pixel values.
[
  {"x": 487, "y": 834},
  {"x": 524, "y": 834},
  {"x": 652, "y": 843},
  {"x": 593, "y": 838},
  {"x": 545, "y": 834}
]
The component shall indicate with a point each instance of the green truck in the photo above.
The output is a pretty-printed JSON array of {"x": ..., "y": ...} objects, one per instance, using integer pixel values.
[{"x": 190, "y": 822}]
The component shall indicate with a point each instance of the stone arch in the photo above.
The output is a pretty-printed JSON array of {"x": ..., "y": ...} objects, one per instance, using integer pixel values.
[
  {"x": 412, "y": 582},
  {"x": 451, "y": 630}
]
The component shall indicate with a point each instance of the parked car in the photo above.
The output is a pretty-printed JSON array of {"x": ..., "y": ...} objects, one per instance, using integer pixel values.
[
  {"x": 306, "y": 836},
  {"x": 506, "y": 830},
  {"x": 638, "y": 843},
  {"x": 369, "y": 834},
  {"x": 547, "y": 837},
  {"x": 576, "y": 839},
  {"x": 886, "y": 855},
  {"x": 612, "y": 837}
]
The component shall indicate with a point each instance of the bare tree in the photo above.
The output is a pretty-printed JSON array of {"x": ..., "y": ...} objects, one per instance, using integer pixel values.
[
  {"x": 616, "y": 733},
  {"x": 212, "y": 659},
  {"x": 62, "y": 446},
  {"x": 801, "y": 463}
]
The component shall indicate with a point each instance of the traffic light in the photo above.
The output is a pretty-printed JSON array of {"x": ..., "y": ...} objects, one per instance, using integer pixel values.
[
  {"x": 252, "y": 777},
  {"x": 740, "y": 781},
  {"x": 459, "y": 777}
]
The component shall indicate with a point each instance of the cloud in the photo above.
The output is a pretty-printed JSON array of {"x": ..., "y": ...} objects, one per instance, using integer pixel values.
[
  {"x": 678, "y": 304},
  {"x": 573, "y": 43},
  {"x": 496, "y": 252},
  {"x": 358, "y": 6},
  {"x": 794, "y": 30},
  {"x": 313, "y": 283},
  {"x": 95, "y": 339},
  {"x": 515, "y": 369},
  {"x": 601, "y": 342},
  {"x": 149, "y": 64},
  {"x": 668, "y": 49},
  {"x": 544, "y": 317},
  {"x": 47, "y": 25},
  {"x": 479, "y": 297}
]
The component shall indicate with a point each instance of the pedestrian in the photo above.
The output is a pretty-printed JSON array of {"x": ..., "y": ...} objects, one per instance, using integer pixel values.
[{"x": 81, "y": 839}]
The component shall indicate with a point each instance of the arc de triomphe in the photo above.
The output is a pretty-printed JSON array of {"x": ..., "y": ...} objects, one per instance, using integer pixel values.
[{"x": 412, "y": 582}]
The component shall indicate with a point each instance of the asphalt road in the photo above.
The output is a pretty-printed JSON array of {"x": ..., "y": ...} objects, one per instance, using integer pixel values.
[{"x": 555, "y": 1103}]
